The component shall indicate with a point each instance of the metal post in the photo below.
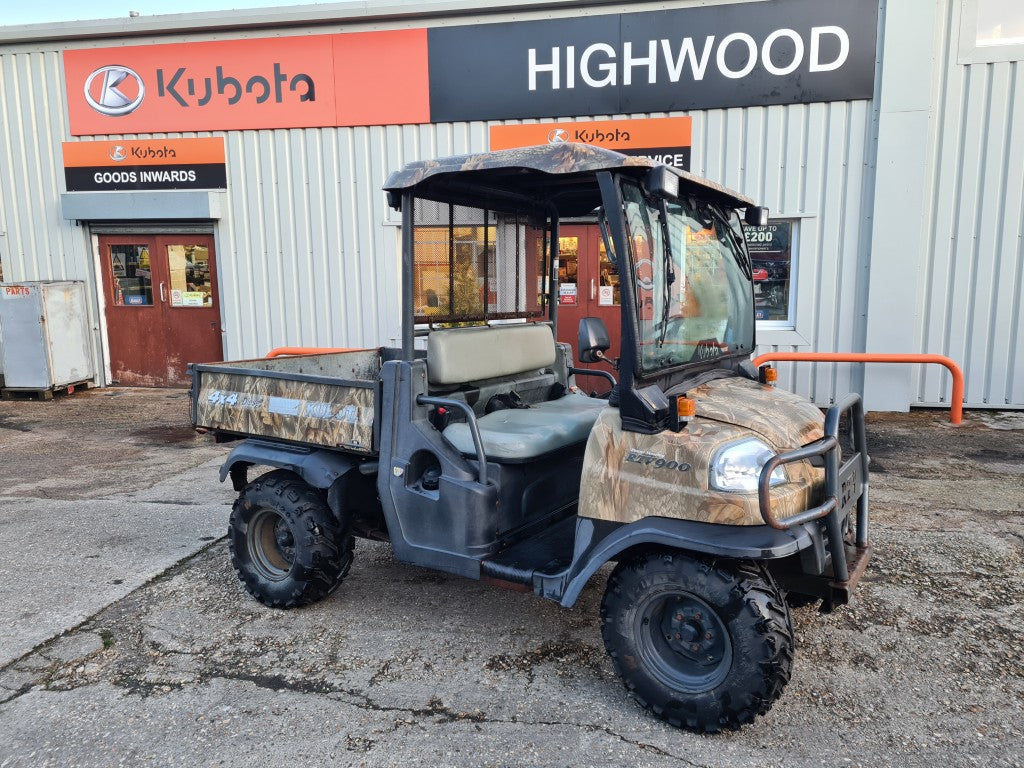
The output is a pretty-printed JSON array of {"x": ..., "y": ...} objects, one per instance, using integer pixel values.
[
  {"x": 408, "y": 244},
  {"x": 553, "y": 282}
]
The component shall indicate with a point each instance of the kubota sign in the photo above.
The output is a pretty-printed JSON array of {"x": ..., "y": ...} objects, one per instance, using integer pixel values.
[
  {"x": 286, "y": 82},
  {"x": 730, "y": 55}
]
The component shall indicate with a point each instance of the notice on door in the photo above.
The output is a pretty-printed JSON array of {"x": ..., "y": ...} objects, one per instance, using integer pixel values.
[
  {"x": 107, "y": 166},
  {"x": 567, "y": 293}
]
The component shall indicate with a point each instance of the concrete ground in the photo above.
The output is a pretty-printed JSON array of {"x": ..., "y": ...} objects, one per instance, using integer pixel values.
[{"x": 127, "y": 639}]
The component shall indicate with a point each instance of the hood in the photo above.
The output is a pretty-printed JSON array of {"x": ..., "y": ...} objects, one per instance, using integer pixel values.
[{"x": 785, "y": 420}]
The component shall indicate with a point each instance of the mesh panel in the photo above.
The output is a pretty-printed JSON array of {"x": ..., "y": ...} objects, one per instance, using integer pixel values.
[{"x": 472, "y": 264}]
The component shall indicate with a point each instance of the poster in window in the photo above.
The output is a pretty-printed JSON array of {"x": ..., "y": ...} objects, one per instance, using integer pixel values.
[{"x": 771, "y": 253}]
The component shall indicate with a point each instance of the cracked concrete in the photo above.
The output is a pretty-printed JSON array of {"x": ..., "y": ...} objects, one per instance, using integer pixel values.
[{"x": 406, "y": 667}]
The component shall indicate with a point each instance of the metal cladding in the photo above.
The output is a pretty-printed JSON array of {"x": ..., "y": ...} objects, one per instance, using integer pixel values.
[{"x": 629, "y": 476}]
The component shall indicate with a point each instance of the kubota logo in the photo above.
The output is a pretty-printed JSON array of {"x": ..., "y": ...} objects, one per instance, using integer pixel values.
[
  {"x": 117, "y": 153},
  {"x": 557, "y": 136},
  {"x": 114, "y": 90}
]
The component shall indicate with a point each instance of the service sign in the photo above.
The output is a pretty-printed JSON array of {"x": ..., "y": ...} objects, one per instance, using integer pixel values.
[
  {"x": 663, "y": 139},
  {"x": 106, "y": 166}
]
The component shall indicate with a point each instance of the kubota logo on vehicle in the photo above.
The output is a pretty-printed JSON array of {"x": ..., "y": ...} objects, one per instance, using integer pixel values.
[{"x": 114, "y": 90}]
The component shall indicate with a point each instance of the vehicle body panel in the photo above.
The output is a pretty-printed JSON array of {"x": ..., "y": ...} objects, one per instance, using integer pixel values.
[{"x": 628, "y": 476}]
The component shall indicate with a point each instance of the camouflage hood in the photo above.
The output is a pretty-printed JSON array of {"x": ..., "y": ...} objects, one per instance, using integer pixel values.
[{"x": 783, "y": 419}]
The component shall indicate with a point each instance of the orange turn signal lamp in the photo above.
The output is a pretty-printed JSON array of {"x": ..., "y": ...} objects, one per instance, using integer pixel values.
[
  {"x": 686, "y": 408},
  {"x": 768, "y": 375}
]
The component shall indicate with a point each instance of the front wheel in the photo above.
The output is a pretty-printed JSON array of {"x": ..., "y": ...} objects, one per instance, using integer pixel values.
[
  {"x": 703, "y": 644},
  {"x": 287, "y": 546}
]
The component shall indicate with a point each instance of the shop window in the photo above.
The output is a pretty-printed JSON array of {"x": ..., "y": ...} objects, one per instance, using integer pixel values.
[
  {"x": 991, "y": 30},
  {"x": 772, "y": 249},
  {"x": 133, "y": 279},
  {"x": 456, "y": 275}
]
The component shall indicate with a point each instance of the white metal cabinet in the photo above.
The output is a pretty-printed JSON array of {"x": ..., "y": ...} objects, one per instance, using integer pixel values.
[{"x": 46, "y": 336}]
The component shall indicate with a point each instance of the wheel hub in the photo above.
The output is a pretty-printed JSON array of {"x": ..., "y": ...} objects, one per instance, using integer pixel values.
[
  {"x": 271, "y": 545},
  {"x": 684, "y": 642},
  {"x": 689, "y": 632}
]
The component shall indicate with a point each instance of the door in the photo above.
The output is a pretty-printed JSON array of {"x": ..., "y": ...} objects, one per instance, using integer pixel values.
[
  {"x": 162, "y": 306},
  {"x": 588, "y": 287}
]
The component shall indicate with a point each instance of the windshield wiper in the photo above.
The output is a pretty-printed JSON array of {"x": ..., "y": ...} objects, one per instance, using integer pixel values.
[{"x": 670, "y": 275}]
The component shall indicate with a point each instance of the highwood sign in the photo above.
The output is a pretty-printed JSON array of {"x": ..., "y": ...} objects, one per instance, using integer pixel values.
[
  {"x": 104, "y": 166},
  {"x": 663, "y": 139},
  {"x": 731, "y": 55}
]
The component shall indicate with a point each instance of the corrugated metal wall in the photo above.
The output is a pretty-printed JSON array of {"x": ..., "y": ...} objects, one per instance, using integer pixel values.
[
  {"x": 308, "y": 250},
  {"x": 973, "y": 263},
  {"x": 36, "y": 244}
]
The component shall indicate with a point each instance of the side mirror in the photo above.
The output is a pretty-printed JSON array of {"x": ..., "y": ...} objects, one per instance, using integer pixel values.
[
  {"x": 593, "y": 340},
  {"x": 756, "y": 216}
]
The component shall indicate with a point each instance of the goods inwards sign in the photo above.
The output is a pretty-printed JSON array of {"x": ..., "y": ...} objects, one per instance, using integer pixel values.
[
  {"x": 103, "y": 166},
  {"x": 663, "y": 139}
]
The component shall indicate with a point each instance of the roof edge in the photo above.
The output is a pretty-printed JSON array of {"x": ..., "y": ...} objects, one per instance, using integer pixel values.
[{"x": 357, "y": 11}]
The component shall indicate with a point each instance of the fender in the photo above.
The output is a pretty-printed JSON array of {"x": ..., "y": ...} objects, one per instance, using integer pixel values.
[
  {"x": 317, "y": 467},
  {"x": 598, "y": 541}
]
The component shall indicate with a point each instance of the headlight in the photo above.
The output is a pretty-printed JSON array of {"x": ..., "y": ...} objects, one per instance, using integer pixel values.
[{"x": 738, "y": 467}]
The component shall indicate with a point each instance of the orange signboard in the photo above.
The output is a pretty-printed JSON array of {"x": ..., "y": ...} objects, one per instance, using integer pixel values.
[
  {"x": 280, "y": 82},
  {"x": 120, "y": 153},
  {"x": 665, "y": 139}
]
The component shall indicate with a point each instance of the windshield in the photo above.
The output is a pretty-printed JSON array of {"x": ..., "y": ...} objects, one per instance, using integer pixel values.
[{"x": 698, "y": 304}]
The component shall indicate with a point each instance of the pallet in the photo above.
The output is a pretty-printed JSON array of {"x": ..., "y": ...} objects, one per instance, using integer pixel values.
[{"x": 24, "y": 393}]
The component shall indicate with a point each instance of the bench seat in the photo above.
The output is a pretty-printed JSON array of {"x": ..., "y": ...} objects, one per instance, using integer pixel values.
[{"x": 522, "y": 434}]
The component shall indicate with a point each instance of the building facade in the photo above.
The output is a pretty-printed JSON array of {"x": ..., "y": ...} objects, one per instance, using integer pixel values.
[{"x": 215, "y": 179}]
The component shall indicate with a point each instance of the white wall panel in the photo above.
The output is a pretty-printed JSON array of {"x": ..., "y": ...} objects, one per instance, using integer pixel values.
[{"x": 973, "y": 265}]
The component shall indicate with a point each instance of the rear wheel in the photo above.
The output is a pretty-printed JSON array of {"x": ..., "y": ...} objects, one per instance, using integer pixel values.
[
  {"x": 287, "y": 546},
  {"x": 704, "y": 645}
]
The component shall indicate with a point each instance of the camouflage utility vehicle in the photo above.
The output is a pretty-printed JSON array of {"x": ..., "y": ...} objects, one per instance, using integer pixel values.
[{"x": 473, "y": 450}]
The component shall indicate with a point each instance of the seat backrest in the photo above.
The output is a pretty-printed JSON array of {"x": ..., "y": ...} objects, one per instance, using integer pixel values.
[{"x": 462, "y": 355}]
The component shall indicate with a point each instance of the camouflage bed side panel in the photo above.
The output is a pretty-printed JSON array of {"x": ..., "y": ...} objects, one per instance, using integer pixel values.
[
  {"x": 330, "y": 415},
  {"x": 629, "y": 476}
]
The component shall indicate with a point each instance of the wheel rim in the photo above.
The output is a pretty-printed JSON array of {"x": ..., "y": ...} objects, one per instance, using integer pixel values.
[
  {"x": 683, "y": 642},
  {"x": 271, "y": 545}
]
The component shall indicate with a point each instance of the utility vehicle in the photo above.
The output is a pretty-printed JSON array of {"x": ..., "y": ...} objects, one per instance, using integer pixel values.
[{"x": 473, "y": 450}]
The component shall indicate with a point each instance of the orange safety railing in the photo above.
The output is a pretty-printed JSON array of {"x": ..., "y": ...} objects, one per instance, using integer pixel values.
[
  {"x": 282, "y": 351},
  {"x": 956, "y": 407}
]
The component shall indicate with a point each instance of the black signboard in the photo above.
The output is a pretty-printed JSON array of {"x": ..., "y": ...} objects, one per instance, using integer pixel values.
[{"x": 732, "y": 55}]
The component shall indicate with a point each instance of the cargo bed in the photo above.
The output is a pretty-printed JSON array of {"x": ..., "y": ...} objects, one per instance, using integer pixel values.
[{"x": 323, "y": 399}]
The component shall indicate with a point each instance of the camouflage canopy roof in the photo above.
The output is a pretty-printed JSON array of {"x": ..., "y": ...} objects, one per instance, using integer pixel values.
[{"x": 562, "y": 174}]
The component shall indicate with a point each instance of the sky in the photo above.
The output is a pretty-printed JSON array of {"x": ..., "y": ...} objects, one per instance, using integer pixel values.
[{"x": 42, "y": 11}]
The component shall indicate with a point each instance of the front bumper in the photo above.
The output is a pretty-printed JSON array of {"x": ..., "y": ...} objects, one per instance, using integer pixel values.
[{"x": 846, "y": 493}]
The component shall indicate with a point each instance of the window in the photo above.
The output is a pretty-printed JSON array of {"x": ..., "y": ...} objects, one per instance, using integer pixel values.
[
  {"x": 133, "y": 278},
  {"x": 771, "y": 249},
  {"x": 473, "y": 264},
  {"x": 991, "y": 30},
  {"x": 999, "y": 22}
]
